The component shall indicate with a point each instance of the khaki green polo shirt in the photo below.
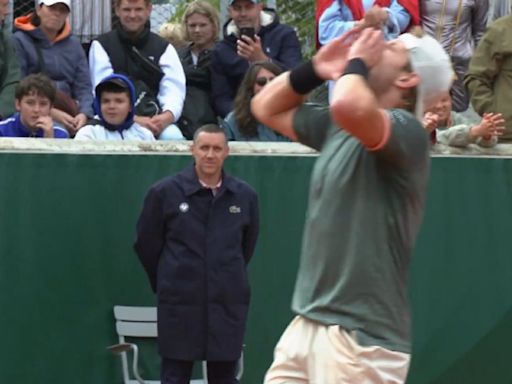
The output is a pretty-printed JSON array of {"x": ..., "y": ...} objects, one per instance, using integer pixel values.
[{"x": 364, "y": 212}]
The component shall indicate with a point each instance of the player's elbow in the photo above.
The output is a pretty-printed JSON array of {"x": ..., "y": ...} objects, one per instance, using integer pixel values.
[{"x": 348, "y": 113}]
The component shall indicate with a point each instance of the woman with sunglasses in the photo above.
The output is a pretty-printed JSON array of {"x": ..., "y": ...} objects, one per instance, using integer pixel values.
[{"x": 240, "y": 124}]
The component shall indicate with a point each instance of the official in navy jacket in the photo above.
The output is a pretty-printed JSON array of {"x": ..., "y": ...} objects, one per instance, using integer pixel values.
[
  {"x": 232, "y": 55},
  {"x": 195, "y": 236}
]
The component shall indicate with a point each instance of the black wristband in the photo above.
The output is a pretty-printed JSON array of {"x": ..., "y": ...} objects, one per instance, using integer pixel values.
[
  {"x": 356, "y": 67},
  {"x": 303, "y": 79}
]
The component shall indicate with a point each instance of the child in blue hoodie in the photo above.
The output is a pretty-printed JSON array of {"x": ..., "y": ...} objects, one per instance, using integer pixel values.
[
  {"x": 34, "y": 95},
  {"x": 114, "y": 107}
]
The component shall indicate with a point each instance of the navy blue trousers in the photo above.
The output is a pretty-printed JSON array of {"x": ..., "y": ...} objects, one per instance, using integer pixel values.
[{"x": 179, "y": 372}]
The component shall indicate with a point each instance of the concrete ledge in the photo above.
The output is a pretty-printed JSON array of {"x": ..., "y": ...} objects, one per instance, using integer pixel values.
[
  {"x": 182, "y": 147},
  {"x": 143, "y": 147}
]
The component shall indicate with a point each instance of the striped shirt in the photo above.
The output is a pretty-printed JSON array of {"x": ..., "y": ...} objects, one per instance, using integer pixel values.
[{"x": 90, "y": 18}]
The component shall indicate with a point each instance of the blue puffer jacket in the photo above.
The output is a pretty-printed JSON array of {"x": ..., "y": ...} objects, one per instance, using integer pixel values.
[
  {"x": 279, "y": 43},
  {"x": 64, "y": 60}
]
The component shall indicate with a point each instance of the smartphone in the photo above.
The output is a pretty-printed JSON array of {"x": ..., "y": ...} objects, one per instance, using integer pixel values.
[{"x": 247, "y": 31}]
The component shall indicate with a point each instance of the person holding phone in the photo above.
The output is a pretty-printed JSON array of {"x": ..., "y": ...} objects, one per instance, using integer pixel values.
[{"x": 253, "y": 33}]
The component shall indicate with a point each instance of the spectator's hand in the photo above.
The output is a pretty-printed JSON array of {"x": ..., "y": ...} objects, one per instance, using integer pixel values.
[
  {"x": 368, "y": 47},
  {"x": 162, "y": 121},
  {"x": 46, "y": 124},
  {"x": 492, "y": 124},
  {"x": 330, "y": 60},
  {"x": 376, "y": 18},
  {"x": 250, "y": 49},
  {"x": 430, "y": 121},
  {"x": 64, "y": 119},
  {"x": 79, "y": 121},
  {"x": 145, "y": 121},
  {"x": 157, "y": 123}
]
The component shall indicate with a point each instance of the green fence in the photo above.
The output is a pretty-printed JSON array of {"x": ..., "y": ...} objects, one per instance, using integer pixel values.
[{"x": 67, "y": 225}]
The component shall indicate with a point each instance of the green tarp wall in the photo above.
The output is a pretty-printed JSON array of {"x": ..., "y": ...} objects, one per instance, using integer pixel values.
[{"x": 66, "y": 230}]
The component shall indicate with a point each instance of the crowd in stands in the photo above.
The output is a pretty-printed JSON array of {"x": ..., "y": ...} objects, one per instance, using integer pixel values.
[{"x": 128, "y": 83}]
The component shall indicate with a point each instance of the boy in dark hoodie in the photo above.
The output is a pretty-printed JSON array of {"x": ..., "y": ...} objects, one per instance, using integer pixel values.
[
  {"x": 34, "y": 95},
  {"x": 114, "y": 106}
]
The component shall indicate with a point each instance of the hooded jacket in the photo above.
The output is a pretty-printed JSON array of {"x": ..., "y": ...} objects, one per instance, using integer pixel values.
[
  {"x": 102, "y": 130},
  {"x": 279, "y": 42},
  {"x": 64, "y": 60}
]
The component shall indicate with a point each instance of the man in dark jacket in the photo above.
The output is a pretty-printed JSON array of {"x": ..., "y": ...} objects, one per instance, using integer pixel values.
[
  {"x": 9, "y": 69},
  {"x": 195, "y": 236},
  {"x": 252, "y": 33}
]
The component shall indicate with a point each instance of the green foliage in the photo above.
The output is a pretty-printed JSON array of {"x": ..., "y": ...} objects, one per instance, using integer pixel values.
[
  {"x": 180, "y": 9},
  {"x": 300, "y": 14}
]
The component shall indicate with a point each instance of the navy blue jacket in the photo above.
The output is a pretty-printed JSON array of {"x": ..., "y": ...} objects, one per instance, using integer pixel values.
[
  {"x": 195, "y": 248},
  {"x": 279, "y": 43},
  {"x": 13, "y": 127}
]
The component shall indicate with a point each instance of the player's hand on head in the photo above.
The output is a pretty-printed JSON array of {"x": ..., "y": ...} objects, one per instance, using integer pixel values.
[
  {"x": 330, "y": 60},
  {"x": 368, "y": 47}
]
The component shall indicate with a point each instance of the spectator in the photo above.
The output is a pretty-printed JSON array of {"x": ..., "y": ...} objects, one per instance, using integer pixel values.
[
  {"x": 9, "y": 69},
  {"x": 201, "y": 25},
  {"x": 149, "y": 61},
  {"x": 44, "y": 43},
  {"x": 173, "y": 33},
  {"x": 34, "y": 95},
  {"x": 115, "y": 105},
  {"x": 488, "y": 80},
  {"x": 452, "y": 128},
  {"x": 392, "y": 16},
  {"x": 240, "y": 124},
  {"x": 231, "y": 57},
  {"x": 90, "y": 19},
  {"x": 195, "y": 237},
  {"x": 458, "y": 25}
]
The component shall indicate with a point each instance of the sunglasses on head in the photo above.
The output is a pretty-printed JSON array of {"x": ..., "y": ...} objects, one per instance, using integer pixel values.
[{"x": 261, "y": 81}]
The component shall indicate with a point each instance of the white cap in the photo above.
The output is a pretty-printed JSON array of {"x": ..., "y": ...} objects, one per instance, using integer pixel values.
[
  {"x": 432, "y": 64},
  {"x": 52, "y": 2}
]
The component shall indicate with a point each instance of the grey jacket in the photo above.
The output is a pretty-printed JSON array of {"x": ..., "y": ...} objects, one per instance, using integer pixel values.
[{"x": 471, "y": 27}]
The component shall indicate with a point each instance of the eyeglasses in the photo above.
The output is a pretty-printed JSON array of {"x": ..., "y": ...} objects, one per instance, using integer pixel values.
[{"x": 261, "y": 81}]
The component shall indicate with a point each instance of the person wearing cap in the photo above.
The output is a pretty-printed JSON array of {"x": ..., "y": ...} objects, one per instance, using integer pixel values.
[
  {"x": 9, "y": 68},
  {"x": 366, "y": 202},
  {"x": 149, "y": 61},
  {"x": 253, "y": 33},
  {"x": 44, "y": 43},
  {"x": 114, "y": 105},
  {"x": 34, "y": 97}
]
